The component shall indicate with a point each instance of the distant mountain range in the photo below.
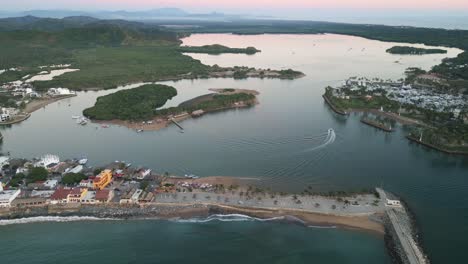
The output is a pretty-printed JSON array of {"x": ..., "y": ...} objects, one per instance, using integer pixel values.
[{"x": 161, "y": 13}]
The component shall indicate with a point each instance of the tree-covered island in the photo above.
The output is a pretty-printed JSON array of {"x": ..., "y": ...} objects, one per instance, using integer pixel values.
[
  {"x": 217, "y": 49},
  {"x": 407, "y": 50}
]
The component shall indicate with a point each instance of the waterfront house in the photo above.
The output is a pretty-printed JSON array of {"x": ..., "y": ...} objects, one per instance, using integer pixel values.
[
  {"x": 7, "y": 196},
  {"x": 76, "y": 195},
  {"x": 60, "y": 196},
  {"x": 103, "y": 196},
  {"x": 89, "y": 197},
  {"x": 27, "y": 202},
  {"x": 131, "y": 197}
]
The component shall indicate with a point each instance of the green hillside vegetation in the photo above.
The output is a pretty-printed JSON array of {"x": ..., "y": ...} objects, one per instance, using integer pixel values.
[
  {"x": 211, "y": 102},
  {"x": 406, "y": 50},
  {"x": 133, "y": 104},
  {"x": 217, "y": 49}
]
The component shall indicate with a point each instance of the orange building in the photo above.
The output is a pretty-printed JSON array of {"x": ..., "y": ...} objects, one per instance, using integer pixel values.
[{"x": 102, "y": 180}]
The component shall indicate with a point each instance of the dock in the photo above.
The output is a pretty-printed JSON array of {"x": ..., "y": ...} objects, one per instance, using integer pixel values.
[
  {"x": 176, "y": 123},
  {"x": 376, "y": 124},
  {"x": 452, "y": 152},
  {"x": 401, "y": 231}
]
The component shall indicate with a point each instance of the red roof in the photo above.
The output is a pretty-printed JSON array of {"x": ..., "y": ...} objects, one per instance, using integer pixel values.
[
  {"x": 60, "y": 194},
  {"x": 75, "y": 191},
  {"x": 102, "y": 195}
]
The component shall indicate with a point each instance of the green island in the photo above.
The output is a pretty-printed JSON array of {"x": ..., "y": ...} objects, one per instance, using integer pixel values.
[
  {"x": 217, "y": 49},
  {"x": 406, "y": 50},
  {"x": 135, "y": 104},
  {"x": 210, "y": 103},
  {"x": 130, "y": 107}
]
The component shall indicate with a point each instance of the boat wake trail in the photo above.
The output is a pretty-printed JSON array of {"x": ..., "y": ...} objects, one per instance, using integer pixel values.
[
  {"x": 42, "y": 219},
  {"x": 331, "y": 137},
  {"x": 227, "y": 218}
]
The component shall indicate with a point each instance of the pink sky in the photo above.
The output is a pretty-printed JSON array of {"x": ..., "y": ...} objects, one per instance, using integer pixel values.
[{"x": 230, "y": 4}]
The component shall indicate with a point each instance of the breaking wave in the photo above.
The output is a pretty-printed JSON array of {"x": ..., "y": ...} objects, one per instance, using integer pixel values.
[
  {"x": 228, "y": 218},
  {"x": 42, "y": 219},
  {"x": 322, "y": 227}
]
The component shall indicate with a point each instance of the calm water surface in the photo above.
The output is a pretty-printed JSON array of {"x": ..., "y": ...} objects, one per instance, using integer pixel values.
[{"x": 278, "y": 141}]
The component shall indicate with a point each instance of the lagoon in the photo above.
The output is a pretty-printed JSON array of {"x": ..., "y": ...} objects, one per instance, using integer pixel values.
[{"x": 277, "y": 142}]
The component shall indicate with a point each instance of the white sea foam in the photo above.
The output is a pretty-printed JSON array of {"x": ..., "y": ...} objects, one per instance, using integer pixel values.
[
  {"x": 41, "y": 219},
  {"x": 322, "y": 227},
  {"x": 228, "y": 218},
  {"x": 331, "y": 137}
]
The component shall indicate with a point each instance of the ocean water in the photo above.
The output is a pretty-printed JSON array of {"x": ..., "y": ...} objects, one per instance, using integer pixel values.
[
  {"x": 153, "y": 241},
  {"x": 279, "y": 141}
]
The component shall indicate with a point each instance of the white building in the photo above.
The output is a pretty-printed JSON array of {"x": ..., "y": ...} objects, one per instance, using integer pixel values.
[
  {"x": 391, "y": 202},
  {"x": 4, "y": 160},
  {"x": 50, "y": 184},
  {"x": 60, "y": 91},
  {"x": 76, "y": 169},
  {"x": 6, "y": 197},
  {"x": 47, "y": 160},
  {"x": 86, "y": 183}
]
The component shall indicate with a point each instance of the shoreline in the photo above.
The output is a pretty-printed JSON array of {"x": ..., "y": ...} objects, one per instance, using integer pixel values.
[
  {"x": 38, "y": 104},
  {"x": 441, "y": 149},
  {"x": 167, "y": 211}
]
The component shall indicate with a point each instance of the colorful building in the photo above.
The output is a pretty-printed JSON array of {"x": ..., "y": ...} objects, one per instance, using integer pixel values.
[
  {"x": 102, "y": 180},
  {"x": 76, "y": 195}
]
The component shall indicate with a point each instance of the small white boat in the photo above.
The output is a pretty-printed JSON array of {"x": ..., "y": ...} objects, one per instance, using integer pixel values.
[
  {"x": 139, "y": 130},
  {"x": 76, "y": 117},
  {"x": 83, "y": 161}
]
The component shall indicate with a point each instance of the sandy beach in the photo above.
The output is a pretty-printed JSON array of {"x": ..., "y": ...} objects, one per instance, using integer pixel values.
[{"x": 39, "y": 103}]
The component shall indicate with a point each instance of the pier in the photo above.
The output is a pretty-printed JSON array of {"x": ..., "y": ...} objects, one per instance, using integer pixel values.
[
  {"x": 401, "y": 231},
  {"x": 441, "y": 149},
  {"x": 176, "y": 123}
]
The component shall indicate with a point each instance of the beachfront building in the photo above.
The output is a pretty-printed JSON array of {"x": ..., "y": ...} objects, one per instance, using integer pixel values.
[
  {"x": 60, "y": 196},
  {"x": 76, "y": 195},
  {"x": 89, "y": 197},
  {"x": 102, "y": 180},
  {"x": 131, "y": 197},
  {"x": 103, "y": 196},
  {"x": 7, "y": 196}
]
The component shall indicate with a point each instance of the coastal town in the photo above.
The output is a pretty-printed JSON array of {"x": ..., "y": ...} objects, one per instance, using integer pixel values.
[
  {"x": 18, "y": 99},
  {"x": 405, "y": 94},
  {"x": 437, "y": 116},
  {"x": 48, "y": 186},
  {"x": 50, "y": 181}
]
